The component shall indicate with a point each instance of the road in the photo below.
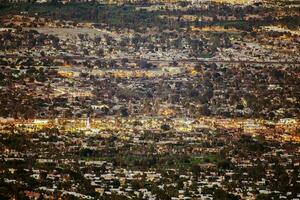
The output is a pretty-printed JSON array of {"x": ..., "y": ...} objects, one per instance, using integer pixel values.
[{"x": 156, "y": 60}]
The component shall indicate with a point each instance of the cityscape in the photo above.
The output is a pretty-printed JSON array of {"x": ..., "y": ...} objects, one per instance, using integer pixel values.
[{"x": 150, "y": 99}]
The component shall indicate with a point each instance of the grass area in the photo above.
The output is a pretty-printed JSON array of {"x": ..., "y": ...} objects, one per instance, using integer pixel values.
[{"x": 206, "y": 158}]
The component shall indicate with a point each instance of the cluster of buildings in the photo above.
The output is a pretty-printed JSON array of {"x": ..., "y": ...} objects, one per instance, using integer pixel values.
[
  {"x": 185, "y": 109},
  {"x": 148, "y": 164}
]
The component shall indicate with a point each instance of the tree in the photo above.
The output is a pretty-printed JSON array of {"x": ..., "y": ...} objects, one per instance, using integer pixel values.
[
  {"x": 205, "y": 110},
  {"x": 165, "y": 127},
  {"x": 124, "y": 112},
  {"x": 220, "y": 194},
  {"x": 225, "y": 164}
]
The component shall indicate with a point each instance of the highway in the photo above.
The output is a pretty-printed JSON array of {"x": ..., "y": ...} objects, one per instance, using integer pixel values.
[{"x": 274, "y": 62}]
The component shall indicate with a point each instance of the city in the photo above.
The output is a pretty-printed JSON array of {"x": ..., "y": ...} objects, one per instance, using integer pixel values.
[{"x": 150, "y": 99}]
